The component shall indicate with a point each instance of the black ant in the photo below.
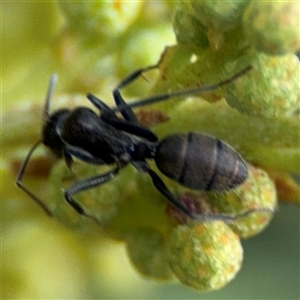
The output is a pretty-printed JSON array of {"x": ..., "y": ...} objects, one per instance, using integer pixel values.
[{"x": 192, "y": 159}]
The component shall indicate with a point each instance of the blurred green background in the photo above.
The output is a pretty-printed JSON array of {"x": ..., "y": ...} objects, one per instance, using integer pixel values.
[{"x": 43, "y": 259}]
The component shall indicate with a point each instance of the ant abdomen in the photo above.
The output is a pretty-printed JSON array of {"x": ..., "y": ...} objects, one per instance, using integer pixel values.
[{"x": 200, "y": 162}]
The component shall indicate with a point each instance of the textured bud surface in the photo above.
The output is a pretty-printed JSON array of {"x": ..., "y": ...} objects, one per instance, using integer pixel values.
[
  {"x": 257, "y": 192},
  {"x": 273, "y": 26},
  {"x": 147, "y": 251},
  {"x": 205, "y": 256},
  {"x": 270, "y": 90}
]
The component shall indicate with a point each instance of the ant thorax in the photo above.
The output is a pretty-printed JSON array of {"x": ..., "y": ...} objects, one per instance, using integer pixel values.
[{"x": 141, "y": 149}]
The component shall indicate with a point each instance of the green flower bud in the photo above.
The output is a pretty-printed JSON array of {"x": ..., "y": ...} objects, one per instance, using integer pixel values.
[
  {"x": 104, "y": 18},
  {"x": 220, "y": 15},
  {"x": 205, "y": 256},
  {"x": 257, "y": 192},
  {"x": 138, "y": 51},
  {"x": 288, "y": 188},
  {"x": 188, "y": 29},
  {"x": 273, "y": 27},
  {"x": 270, "y": 90},
  {"x": 147, "y": 251},
  {"x": 25, "y": 132}
]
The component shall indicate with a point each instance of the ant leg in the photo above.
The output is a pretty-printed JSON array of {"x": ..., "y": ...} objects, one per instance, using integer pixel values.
[
  {"x": 68, "y": 159},
  {"x": 108, "y": 115},
  {"x": 85, "y": 185},
  {"x": 126, "y": 110},
  {"x": 122, "y": 106},
  {"x": 128, "y": 126},
  {"x": 133, "y": 76},
  {"x": 69, "y": 162},
  {"x": 133, "y": 128},
  {"x": 143, "y": 166},
  {"x": 19, "y": 181},
  {"x": 82, "y": 154},
  {"x": 192, "y": 91},
  {"x": 106, "y": 111},
  {"x": 161, "y": 187}
]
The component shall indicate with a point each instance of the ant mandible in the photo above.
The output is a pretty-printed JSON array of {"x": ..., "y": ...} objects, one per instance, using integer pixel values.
[{"x": 192, "y": 159}]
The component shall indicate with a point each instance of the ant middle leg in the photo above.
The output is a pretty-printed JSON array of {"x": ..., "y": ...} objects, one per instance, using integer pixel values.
[{"x": 85, "y": 185}]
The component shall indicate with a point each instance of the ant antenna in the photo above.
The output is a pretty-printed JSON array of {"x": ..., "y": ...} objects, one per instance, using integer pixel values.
[
  {"x": 20, "y": 179},
  {"x": 46, "y": 115}
]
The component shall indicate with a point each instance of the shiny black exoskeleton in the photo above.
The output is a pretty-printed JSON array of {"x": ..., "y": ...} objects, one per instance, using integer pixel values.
[{"x": 192, "y": 159}]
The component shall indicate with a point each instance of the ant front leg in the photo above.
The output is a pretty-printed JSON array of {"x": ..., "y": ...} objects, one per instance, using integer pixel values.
[{"x": 85, "y": 185}]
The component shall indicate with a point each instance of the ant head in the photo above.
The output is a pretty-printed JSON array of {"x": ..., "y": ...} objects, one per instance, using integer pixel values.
[{"x": 51, "y": 132}]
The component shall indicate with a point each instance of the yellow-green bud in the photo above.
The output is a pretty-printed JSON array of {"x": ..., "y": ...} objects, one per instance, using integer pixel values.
[
  {"x": 257, "y": 192},
  {"x": 104, "y": 18},
  {"x": 147, "y": 251},
  {"x": 188, "y": 29},
  {"x": 272, "y": 26},
  {"x": 220, "y": 15},
  {"x": 270, "y": 90},
  {"x": 205, "y": 256}
]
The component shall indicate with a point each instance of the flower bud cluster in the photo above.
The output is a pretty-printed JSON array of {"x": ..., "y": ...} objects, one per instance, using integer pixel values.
[{"x": 100, "y": 43}]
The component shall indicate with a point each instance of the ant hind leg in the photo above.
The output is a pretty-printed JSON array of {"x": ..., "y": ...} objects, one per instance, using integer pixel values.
[{"x": 162, "y": 188}]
